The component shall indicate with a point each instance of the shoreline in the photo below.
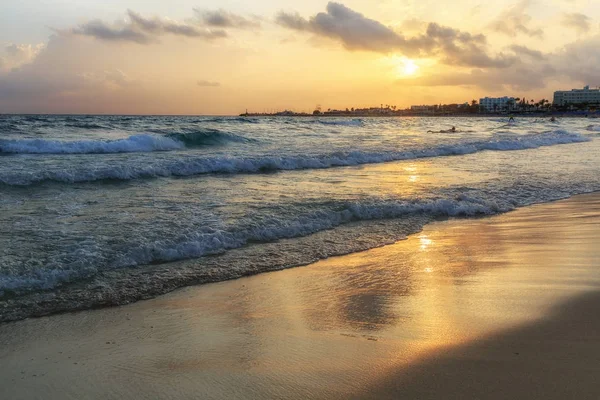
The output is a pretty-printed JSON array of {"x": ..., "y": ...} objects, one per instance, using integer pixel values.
[
  {"x": 478, "y": 115},
  {"x": 594, "y": 115},
  {"x": 420, "y": 316},
  {"x": 93, "y": 294}
]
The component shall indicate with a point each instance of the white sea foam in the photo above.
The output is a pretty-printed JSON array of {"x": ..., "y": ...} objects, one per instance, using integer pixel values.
[
  {"x": 593, "y": 128},
  {"x": 135, "y": 143},
  {"x": 200, "y": 244},
  {"x": 89, "y": 258},
  {"x": 202, "y": 165},
  {"x": 144, "y": 142},
  {"x": 196, "y": 244}
]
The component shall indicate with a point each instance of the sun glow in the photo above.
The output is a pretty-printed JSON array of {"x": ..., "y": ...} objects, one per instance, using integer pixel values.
[{"x": 408, "y": 67}]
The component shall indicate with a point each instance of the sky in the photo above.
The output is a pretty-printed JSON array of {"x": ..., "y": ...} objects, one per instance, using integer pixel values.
[{"x": 223, "y": 57}]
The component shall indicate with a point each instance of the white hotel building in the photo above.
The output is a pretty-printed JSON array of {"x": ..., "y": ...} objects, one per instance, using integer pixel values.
[
  {"x": 577, "y": 96},
  {"x": 491, "y": 104}
]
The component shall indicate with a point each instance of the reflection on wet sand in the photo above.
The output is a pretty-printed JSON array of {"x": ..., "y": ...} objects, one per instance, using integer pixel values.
[
  {"x": 330, "y": 330},
  {"x": 554, "y": 358}
]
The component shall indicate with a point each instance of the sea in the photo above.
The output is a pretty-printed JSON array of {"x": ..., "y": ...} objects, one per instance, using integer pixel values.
[{"x": 106, "y": 210}]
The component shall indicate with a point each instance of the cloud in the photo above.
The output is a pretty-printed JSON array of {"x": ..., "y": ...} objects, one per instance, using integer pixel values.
[
  {"x": 514, "y": 20},
  {"x": 160, "y": 26},
  {"x": 113, "y": 79},
  {"x": 51, "y": 71},
  {"x": 526, "y": 51},
  {"x": 357, "y": 32},
  {"x": 16, "y": 55},
  {"x": 68, "y": 75},
  {"x": 413, "y": 25},
  {"x": 579, "y": 61},
  {"x": 576, "y": 63},
  {"x": 354, "y": 30},
  {"x": 577, "y": 21},
  {"x": 99, "y": 30},
  {"x": 293, "y": 21},
  {"x": 117, "y": 77},
  {"x": 204, "y": 83},
  {"x": 224, "y": 19},
  {"x": 138, "y": 29},
  {"x": 521, "y": 78},
  {"x": 72, "y": 74},
  {"x": 463, "y": 49}
]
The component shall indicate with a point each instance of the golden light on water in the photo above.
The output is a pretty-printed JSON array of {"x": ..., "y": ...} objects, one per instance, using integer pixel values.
[{"x": 425, "y": 242}]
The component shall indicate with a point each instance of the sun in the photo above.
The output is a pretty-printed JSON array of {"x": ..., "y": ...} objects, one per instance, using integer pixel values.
[
  {"x": 402, "y": 66},
  {"x": 408, "y": 67}
]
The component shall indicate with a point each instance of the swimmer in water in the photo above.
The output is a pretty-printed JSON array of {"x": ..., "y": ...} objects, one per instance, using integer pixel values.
[
  {"x": 552, "y": 119},
  {"x": 451, "y": 130},
  {"x": 511, "y": 119}
]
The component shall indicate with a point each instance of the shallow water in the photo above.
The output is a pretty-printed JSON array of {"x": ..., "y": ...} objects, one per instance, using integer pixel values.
[
  {"x": 349, "y": 326},
  {"x": 130, "y": 207}
]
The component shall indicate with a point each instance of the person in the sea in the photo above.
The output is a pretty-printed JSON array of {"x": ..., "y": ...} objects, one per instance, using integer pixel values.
[
  {"x": 451, "y": 130},
  {"x": 511, "y": 119},
  {"x": 552, "y": 119}
]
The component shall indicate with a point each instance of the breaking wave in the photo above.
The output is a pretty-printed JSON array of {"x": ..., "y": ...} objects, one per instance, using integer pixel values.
[
  {"x": 406, "y": 216},
  {"x": 135, "y": 143},
  {"x": 593, "y": 128},
  {"x": 193, "y": 165},
  {"x": 132, "y": 144},
  {"x": 207, "y": 137},
  {"x": 191, "y": 245}
]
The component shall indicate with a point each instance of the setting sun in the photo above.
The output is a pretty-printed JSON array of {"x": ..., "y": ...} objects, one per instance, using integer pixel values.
[{"x": 408, "y": 67}]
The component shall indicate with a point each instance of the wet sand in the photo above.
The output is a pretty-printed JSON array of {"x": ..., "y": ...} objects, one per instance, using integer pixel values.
[
  {"x": 557, "y": 357},
  {"x": 502, "y": 307}
]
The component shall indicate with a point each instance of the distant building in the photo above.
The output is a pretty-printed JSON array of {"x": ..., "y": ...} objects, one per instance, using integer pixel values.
[
  {"x": 420, "y": 108},
  {"x": 577, "y": 96},
  {"x": 493, "y": 104}
]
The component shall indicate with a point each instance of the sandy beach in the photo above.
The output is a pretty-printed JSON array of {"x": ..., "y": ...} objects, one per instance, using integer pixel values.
[
  {"x": 326, "y": 200},
  {"x": 500, "y": 307}
]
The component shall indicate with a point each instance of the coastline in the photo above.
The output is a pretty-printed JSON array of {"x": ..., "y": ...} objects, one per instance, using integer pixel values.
[
  {"x": 589, "y": 115},
  {"x": 157, "y": 264},
  {"x": 594, "y": 115},
  {"x": 413, "y": 317},
  {"x": 95, "y": 293}
]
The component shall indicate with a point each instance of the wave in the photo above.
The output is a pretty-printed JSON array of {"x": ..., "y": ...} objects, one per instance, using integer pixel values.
[
  {"x": 85, "y": 125},
  {"x": 351, "y": 122},
  {"x": 593, "y": 128},
  {"x": 9, "y": 127},
  {"x": 92, "y": 276},
  {"x": 202, "y": 165},
  {"x": 230, "y": 119},
  {"x": 198, "y": 245},
  {"x": 132, "y": 144},
  {"x": 111, "y": 277},
  {"x": 207, "y": 136},
  {"x": 135, "y": 143},
  {"x": 191, "y": 245},
  {"x": 36, "y": 118}
]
